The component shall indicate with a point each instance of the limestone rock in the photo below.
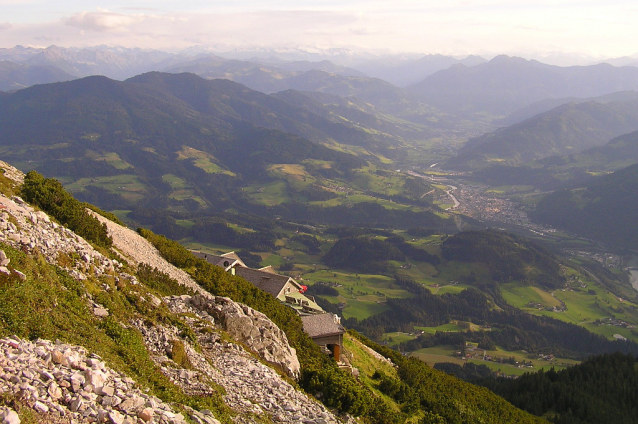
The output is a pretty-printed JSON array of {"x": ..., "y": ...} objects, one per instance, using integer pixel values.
[
  {"x": 146, "y": 414},
  {"x": 4, "y": 261},
  {"x": 100, "y": 312},
  {"x": 8, "y": 416},
  {"x": 253, "y": 328}
]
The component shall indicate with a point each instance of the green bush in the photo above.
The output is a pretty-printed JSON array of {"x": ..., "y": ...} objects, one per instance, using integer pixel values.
[{"x": 50, "y": 196}]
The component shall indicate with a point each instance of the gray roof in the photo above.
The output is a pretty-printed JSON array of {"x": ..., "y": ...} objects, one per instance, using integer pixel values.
[
  {"x": 226, "y": 261},
  {"x": 267, "y": 281},
  {"x": 321, "y": 325}
]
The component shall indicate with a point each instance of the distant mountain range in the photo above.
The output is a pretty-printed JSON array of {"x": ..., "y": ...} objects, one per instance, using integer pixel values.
[
  {"x": 506, "y": 84},
  {"x": 402, "y": 71},
  {"x": 323, "y": 76},
  {"x": 118, "y": 63},
  {"x": 14, "y": 76},
  {"x": 440, "y": 89},
  {"x": 549, "y": 104}
]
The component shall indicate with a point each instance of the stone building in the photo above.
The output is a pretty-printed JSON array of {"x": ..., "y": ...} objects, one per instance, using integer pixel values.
[{"x": 325, "y": 330}]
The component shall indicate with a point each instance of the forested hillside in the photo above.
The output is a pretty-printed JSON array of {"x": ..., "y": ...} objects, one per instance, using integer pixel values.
[
  {"x": 600, "y": 390},
  {"x": 567, "y": 129},
  {"x": 605, "y": 209}
]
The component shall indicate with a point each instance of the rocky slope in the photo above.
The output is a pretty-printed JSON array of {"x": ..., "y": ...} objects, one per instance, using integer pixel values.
[{"x": 231, "y": 352}]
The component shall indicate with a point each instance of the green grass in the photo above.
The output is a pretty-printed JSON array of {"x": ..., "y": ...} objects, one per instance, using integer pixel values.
[
  {"x": 362, "y": 309},
  {"x": 126, "y": 185},
  {"x": 175, "y": 182},
  {"x": 396, "y": 338},
  {"x": 451, "y": 289},
  {"x": 202, "y": 160},
  {"x": 519, "y": 296},
  {"x": 364, "y": 295},
  {"x": 114, "y": 160},
  {"x": 181, "y": 189},
  {"x": 583, "y": 308},
  {"x": 446, "y": 354},
  {"x": 444, "y": 327},
  {"x": 271, "y": 194},
  {"x": 293, "y": 179},
  {"x": 367, "y": 364}
]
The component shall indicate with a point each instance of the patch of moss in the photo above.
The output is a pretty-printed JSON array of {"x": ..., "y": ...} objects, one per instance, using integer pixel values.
[{"x": 178, "y": 354}]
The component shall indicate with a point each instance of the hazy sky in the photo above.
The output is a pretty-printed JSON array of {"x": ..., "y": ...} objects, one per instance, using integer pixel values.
[{"x": 596, "y": 28}]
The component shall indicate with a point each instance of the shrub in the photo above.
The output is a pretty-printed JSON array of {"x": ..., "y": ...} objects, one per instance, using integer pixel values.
[{"x": 50, "y": 196}]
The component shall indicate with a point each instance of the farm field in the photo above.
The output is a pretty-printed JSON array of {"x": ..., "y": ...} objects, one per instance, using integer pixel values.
[
  {"x": 126, "y": 185},
  {"x": 476, "y": 356}
]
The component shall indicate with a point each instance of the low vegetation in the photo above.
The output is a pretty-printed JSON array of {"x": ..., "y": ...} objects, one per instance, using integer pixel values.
[{"x": 49, "y": 195}]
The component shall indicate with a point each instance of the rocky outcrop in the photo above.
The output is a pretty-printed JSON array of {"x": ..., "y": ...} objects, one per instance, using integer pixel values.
[
  {"x": 24, "y": 228},
  {"x": 250, "y": 387},
  {"x": 59, "y": 380},
  {"x": 252, "y": 328},
  {"x": 247, "y": 326}
]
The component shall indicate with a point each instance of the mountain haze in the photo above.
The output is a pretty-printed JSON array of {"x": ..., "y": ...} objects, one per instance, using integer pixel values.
[
  {"x": 620, "y": 152},
  {"x": 14, "y": 76},
  {"x": 505, "y": 84},
  {"x": 403, "y": 71}
]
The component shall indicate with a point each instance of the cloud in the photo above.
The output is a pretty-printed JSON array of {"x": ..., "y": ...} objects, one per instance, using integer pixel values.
[
  {"x": 102, "y": 20},
  {"x": 5, "y": 25}
]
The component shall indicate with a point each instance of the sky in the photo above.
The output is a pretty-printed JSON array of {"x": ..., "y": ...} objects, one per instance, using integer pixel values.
[{"x": 584, "y": 28}]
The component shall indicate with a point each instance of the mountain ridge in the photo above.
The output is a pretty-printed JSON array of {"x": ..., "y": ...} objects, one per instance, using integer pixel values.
[
  {"x": 570, "y": 128},
  {"x": 505, "y": 84}
]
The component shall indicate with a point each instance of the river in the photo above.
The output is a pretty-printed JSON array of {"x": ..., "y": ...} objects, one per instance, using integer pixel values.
[{"x": 449, "y": 193}]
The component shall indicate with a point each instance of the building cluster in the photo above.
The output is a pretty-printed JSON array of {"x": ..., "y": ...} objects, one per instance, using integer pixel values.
[{"x": 324, "y": 328}]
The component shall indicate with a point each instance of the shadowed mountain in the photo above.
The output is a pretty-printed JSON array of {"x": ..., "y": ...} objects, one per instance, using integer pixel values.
[
  {"x": 140, "y": 131},
  {"x": 618, "y": 153},
  {"x": 178, "y": 142},
  {"x": 14, "y": 76},
  {"x": 556, "y": 172},
  {"x": 391, "y": 130},
  {"x": 506, "y": 84},
  {"x": 225, "y": 99},
  {"x": 549, "y": 104},
  {"x": 567, "y": 129},
  {"x": 373, "y": 96},
  {"x": 606, "y": 209}
]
